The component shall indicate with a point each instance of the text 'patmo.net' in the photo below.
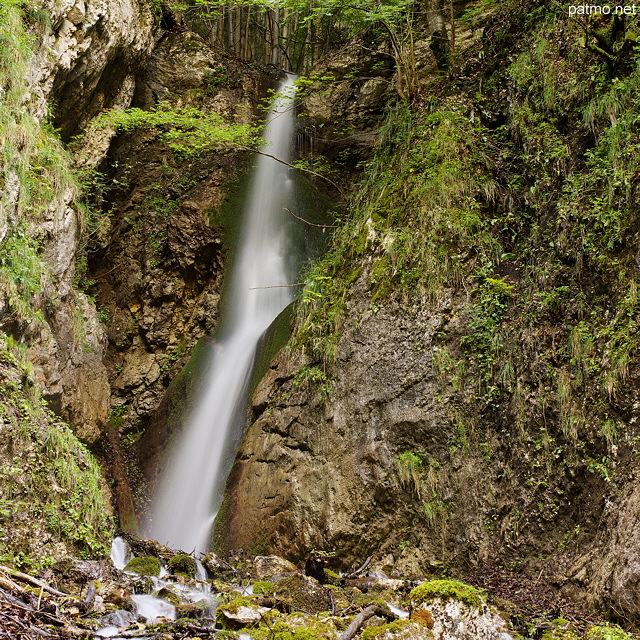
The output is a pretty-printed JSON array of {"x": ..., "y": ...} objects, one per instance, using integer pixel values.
[{"x": 604, "y": 9}]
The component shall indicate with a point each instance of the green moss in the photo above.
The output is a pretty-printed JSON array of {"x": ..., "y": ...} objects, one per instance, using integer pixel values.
[
  {"x": 294, "y": 627},
  {"x": 233, "y": 605},
  {"x": 183, "y": 565},
  {"x": 332, "y": 578},
  {"x": 393, "y": 627},
  {"x": 561, "y": 629},
  {"x": 262, "y": 587},
  {"x": 144, "y": 566},
  {"x": 169, "y": 596},
  {"x": 613, "y": 632},
  {"x": 448, "y": 590},
  {"x": 50, "y": 488}
]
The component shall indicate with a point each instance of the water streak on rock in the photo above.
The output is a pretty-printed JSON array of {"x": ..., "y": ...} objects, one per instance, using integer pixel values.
[{"x": 190, "y": 490}]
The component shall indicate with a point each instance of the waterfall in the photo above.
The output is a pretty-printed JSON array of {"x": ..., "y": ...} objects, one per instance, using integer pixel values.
[{"x": 191, "y": 485}]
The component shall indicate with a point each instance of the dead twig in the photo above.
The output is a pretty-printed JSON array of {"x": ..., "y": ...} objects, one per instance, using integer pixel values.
[
  {"x": 361, "y": 569},
  {"x": 33, "y": 581},
  {"x": 362, "y": 617}
]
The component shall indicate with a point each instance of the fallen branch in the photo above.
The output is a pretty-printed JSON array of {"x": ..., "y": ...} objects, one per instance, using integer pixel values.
[
  {"x": 293, "y": 166},
  {"x": 361, "y": 569},
  {"x": 33, "y": 581},
  {"x": 311, "y": 224},
  {"x": 362, "y": 617}
]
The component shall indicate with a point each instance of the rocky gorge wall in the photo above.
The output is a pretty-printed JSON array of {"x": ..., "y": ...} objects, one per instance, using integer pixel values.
[
  {"x": 53, "y": 342},
  {"x": 459, "y": 390},
  {"x": 111, "y": 270}
]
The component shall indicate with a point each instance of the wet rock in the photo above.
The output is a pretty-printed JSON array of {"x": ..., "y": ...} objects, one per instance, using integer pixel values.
[
  {"x": 303, "y": 593},
  {"x": 244, "y": 615},
  {"x": 399, "y": 630},
  {"x": 144, "y": 566},
  {"x": 212, "y": 563},
  {"x": 267, "y": 567}
]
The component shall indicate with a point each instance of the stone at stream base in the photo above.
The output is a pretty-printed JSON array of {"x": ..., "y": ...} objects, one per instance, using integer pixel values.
[
  {"x": 399, "y": 630},
  {"x": 246, "y": 615},
  {"x": 268, "y": 567},
  {"x": 455, "y": 620},
  {"x": 212, "y": 563},
  {"x": 302, "y": 593}
]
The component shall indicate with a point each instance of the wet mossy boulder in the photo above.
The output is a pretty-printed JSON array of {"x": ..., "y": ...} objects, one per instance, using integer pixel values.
[
  {"x": 169, "y": 596},
  {"x": 263, "y": 587},
  {"x": 295, "y": 627},
  {"x": 144, "y": 566},
  {"x": 332, "y": 578},
  {"x": 447, "y": 590},
  {"x": 561, "y": 629},
  {"x": 183, "y": 565},
  {"x": 457, "y": 611},
  {"x": 240, "y": 612},
  {"x": 212, "y": 563},
  {"x": 303, "y": 593}
]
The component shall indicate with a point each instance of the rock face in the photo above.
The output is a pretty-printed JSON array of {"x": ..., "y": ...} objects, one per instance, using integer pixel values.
[
  {"x": 317, "y": 471},
  {"x": 158, "y": 270},
  {"x": 89, "y": 58},
  {"x": 85, "y": 60}
]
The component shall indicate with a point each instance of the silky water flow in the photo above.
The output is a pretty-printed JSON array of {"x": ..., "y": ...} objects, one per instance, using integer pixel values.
[{"x": 191, "y": 485}]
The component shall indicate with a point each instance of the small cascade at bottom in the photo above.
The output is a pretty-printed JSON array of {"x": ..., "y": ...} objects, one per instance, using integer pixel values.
[
  {"x": 150, "y": 606},
  {"x": 191, "y": 486}
]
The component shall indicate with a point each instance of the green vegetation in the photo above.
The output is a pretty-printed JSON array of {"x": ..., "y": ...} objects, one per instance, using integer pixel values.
[
  {"x": 263, "y": 587},
  {"x": 35, "y": 170},
  {"x": 48, "y": 480},
  {"x": 289, "y": 627},
  {"x": 147, "y": 566},
  {"x": 517, "y": 198},
  {"x": 183, "y": 565},
  {"x": 416, "y": 213},
  {"x": 448, "y": 590},
  {"x": 409, "y": 469},
  {"x": 609, "y": 632},
  {"x": 369, "y": 633},
  {"x": 188, "y": 131},
  {"x": 561, "y": 629}
]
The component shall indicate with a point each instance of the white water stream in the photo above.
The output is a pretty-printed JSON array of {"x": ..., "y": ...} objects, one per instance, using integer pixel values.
[{"x": 190, "y": 488}]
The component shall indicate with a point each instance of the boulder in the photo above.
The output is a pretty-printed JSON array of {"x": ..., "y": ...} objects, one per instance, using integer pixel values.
[{"x": 267, "y": 567}]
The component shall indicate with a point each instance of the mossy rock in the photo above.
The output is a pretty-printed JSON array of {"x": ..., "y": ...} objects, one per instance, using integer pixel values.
[
  {"x": 263, "y": 587},
  {"x": 332, "y": 578},
  {"x": 144, "y": 566},
  {"x": 169, "y": 596},
  {"x": 193, "y": 610},
  {"x": 303, "y": 593},
  {"x": 448, "y": 590},
  {"x": 295, "y": 627},
  {"x": 183, "y": 565},
  {"x": 561, "y": 629},
  {"x": 612, "y": 632},
  {"x": 398, "y": 629}
]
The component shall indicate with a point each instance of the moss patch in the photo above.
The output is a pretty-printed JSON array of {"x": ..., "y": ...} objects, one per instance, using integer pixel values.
[
  {"x": 561, "y": 629},
  {"x": 448, "y": 590},
  {"x": 392, "y": 627},
  {"x": 606, "y": 633},
  {"x": 144, "y": 566},
  {"x": 183, "y": 565},
  {"x": 263, "y": 587}
]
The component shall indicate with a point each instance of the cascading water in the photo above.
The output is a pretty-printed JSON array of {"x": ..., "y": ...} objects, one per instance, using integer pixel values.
[{"x": 190, "y": 489}]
